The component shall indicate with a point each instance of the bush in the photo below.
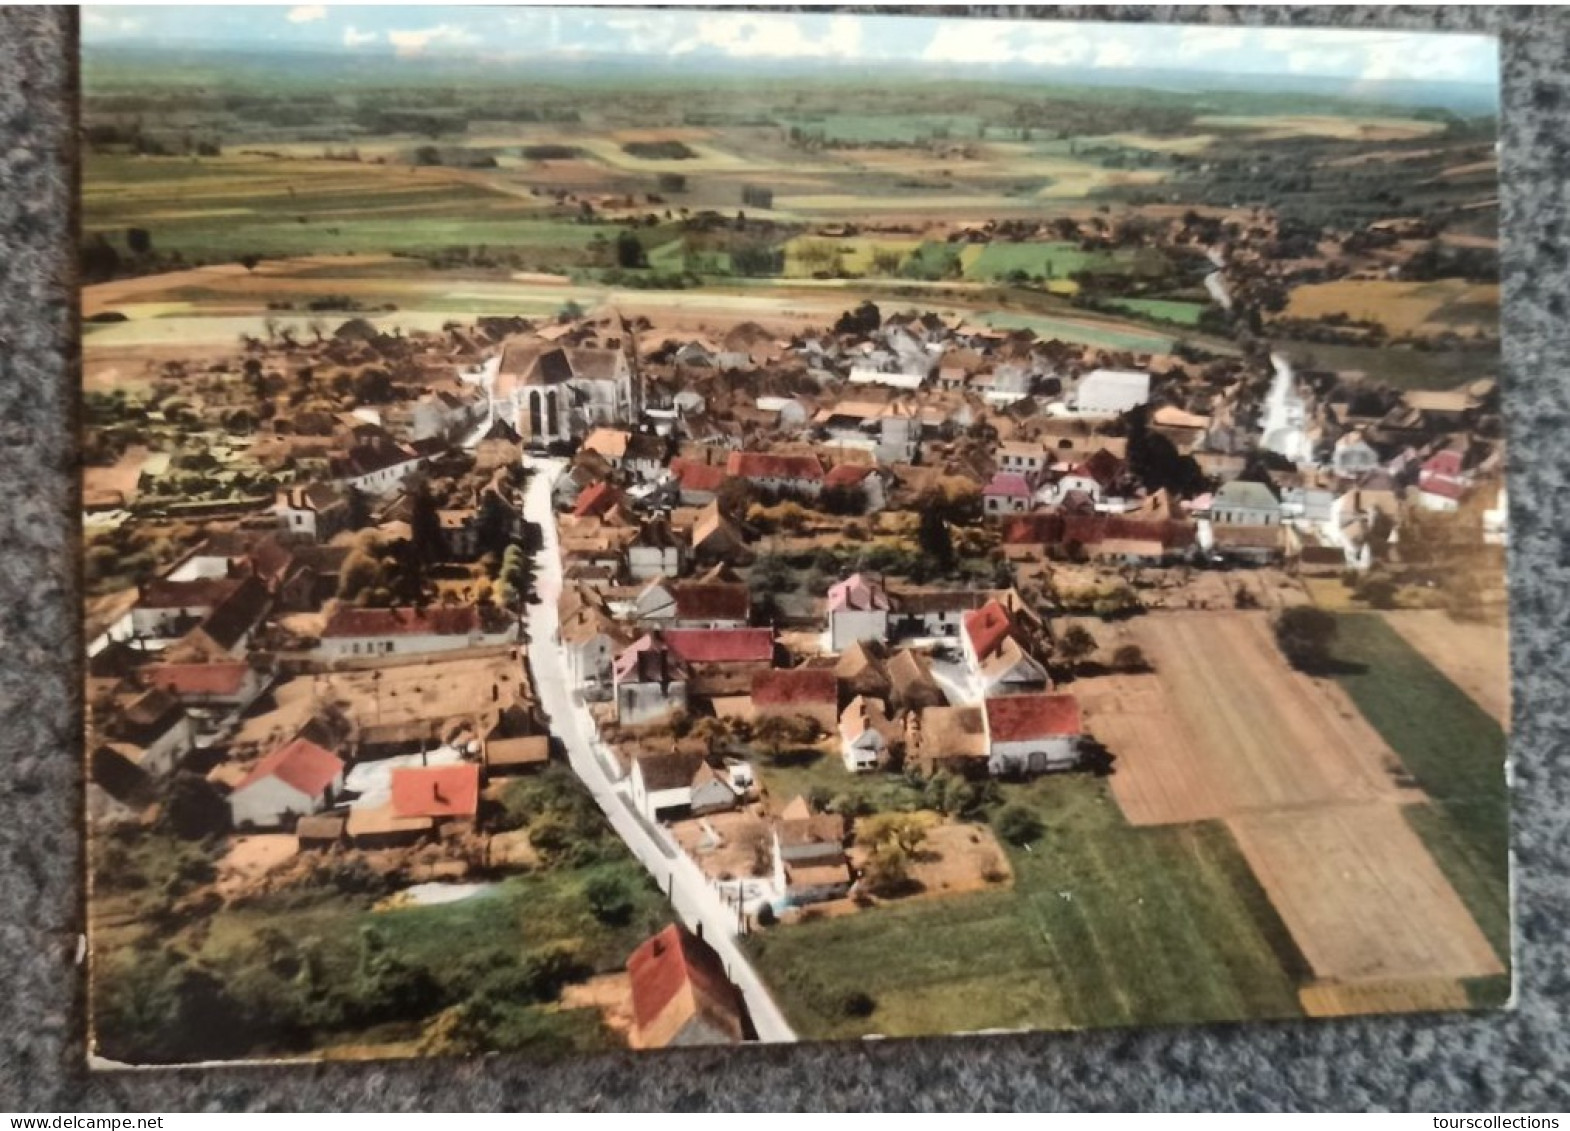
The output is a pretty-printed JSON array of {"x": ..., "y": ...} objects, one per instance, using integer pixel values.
[
  {"x": 1304, "y": 634},
  {"x": 857, "y": 1003},
  {"x": 610, "y": 899},
  {"x": 1018, "y": 825}
]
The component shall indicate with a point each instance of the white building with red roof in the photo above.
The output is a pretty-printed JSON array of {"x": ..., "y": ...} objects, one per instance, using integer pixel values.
[
  {"x": 777, "y": 471},
  {"x": 1033, "y": 734},
  {"x": 681, "y": 995},
  {"x": 996, "y": 651},
  {"x": 354, "y": 633},
  {"x": 293, "y": 781},
  {"x": 1008, "y": 492},
  {"x": 858, "y": 610},
  {"x": 437, "y": 792}
]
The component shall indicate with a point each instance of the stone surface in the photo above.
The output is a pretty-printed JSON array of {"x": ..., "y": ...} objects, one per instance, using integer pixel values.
[{"x": 1479, "y": 1063}]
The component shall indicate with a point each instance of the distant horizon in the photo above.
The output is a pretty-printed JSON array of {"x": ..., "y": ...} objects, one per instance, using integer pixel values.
[{"x": 722, "y": 39}]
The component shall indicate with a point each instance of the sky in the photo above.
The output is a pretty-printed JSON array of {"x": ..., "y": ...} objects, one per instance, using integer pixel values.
[{"x": 566, "y": 33}]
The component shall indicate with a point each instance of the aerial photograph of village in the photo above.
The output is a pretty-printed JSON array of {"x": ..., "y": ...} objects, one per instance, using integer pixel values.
[{"x": 608, "y": 528}]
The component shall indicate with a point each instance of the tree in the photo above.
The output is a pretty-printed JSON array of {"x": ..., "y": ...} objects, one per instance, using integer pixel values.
[
  {"x": 1018, "y": 825},
  {"x": 425, "y": 522},
  {"x": 1305, "y": 634},
  {"x": 610, "y": 899},
  {"x": 862, "y": 321},
  {"x": 250, "y": 260},
  {"x": 629, "y": 251},
  {"x": 1130, "y": 658},
  {"x": 193, "y": 809},
  {"x": 904, "y": 831},
  {"x": 936, "y": 544},
  {"x": 776, "y": 732},
  {"x": 1076, "y": 645},
  {"x": 139, "y": 240}
]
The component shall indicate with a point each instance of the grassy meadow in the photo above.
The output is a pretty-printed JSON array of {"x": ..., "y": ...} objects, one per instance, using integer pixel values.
[
  {"x": 1454, "y": 750},
  {"x": 1106, "y": 924}
]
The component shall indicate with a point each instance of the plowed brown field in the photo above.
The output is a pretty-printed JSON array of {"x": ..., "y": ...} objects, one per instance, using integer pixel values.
[
  {"x": 1225, "y": 727},
  {"x": 1475, "y": 657}
]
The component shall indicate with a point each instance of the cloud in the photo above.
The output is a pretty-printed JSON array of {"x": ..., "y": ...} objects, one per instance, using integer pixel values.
[
  {"x": 354, "y": 38},
  {"x": 100, "y": 21},
  {"x": 306, "y": 13},
  {"x": 1115, "y": 53},
  {"x": 742, "y": 36},
  {"x": 413, "y": 41}
]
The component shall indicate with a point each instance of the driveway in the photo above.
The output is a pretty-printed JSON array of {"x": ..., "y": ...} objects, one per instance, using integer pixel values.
[{"x": 699, "y": 906}]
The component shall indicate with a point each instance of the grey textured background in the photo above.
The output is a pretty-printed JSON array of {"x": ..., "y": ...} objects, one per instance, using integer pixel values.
[{"x": 1518, "y": 1060}]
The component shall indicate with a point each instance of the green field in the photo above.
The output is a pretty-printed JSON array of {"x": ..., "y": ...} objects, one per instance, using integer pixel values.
[
  {"x": 1106, "y": 924},
  {"x": 1454, "y": 749},
  {"x": 1051, "y": 260},
  {"x": 1162, "y": 310},
  {"x": 1070, "y": 330}
]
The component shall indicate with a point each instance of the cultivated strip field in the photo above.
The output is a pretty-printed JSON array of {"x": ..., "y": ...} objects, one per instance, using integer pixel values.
[
  {"x": 1226, "y": 728},
  {"x": 1475, "y": 657},
  {"x": 1361, "y": 895}
]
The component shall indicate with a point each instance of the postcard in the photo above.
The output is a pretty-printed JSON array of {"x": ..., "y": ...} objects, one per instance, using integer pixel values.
[{"x": 616, "y": 528}]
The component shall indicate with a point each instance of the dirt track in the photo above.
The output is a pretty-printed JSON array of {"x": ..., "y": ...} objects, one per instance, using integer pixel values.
[
  {"x": 1475, "y": 657},
  {"x": 1224, "y": 727}
]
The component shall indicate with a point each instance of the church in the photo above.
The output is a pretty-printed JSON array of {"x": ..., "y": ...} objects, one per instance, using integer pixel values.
[{"x": 558, "y": 393}]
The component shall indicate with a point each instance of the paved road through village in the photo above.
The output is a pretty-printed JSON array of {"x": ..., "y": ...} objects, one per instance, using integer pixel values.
[{"x": 690, "y": 894}]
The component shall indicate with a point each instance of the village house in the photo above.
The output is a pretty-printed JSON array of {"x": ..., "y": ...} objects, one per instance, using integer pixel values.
[
  {"x": 1098, "y": 477},
  {"x": 439, "y": 794},
  {"x": 662, "y": 782},
  {"x": 996, "y": 652},
  {"x": 1033, "y": 734},
  {"x": 1243, "y": 502},
  {"x": 862, "y": 670},
  {"x": 378, "y": 468},
  {"x": 152, "y": 730},
  {"x": 800, "y": 474},
  {"x": 722, "y": 661},
  {"x": 168, "y": 608},
  {"x": 858, "y": 609},
  {"x": 636, "y": 453},
  {"x": 911, "y": 685},
  {"x": 1109, "y": 392},
  {"x": 681, "y": 996},
  {"x": 655, "y": 551},
  {"x": 693, "y": 604},
  {"x": 699, "y": 483},
  {"x": 1007, "y": 492},
  {"x": 798, "y": 693},
  {"x": 863, "y": 483},
  {"x": 353, "y": 633},
  {"x": 866, "y": 733},
  {"x": 810, "y": 865},
  {"x": 1352, "y": 456},
  {"x": 295, "y": 780},
  {"x": 717, "y": 538},
  {"x": 311, "y": 513},
  {"x": 649, "y": 682},
  {"x": 231, "y": 685},
  {"x": 1027, "y": 458}
]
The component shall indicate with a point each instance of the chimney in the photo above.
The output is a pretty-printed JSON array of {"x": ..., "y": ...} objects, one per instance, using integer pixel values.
[
  {"x": 436, "y": 792},
  {"x": 698, "y": 929}
]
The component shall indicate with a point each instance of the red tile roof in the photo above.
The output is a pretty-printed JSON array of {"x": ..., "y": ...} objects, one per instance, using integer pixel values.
[
  {"x": 717, "y": 600},
  {"x": 1444, "y": 488},
  {"x": 857, "y": 592},
  {"x": 785, "y": 687},
  {"x": 454, "y": 620},
  {"x": 1102, "y": 466},
  {"x": 1020, "y": 718},
  {"x": 846, "y": 475},
  {"x": 987, "y": 628},
  {"x": 436, "y": 791},
  {"x": 595, "y": 499},
  {"x": 769, "y": 465},
  {"x": 676, "y": 970},
  {"x": 695, "y": 475},
  {"x": 197, "y": 680},
  {"x": 198, "y": 593},
  {"x": 721, "y": 645},
  {"x": 1010, "y": 484},
  {"x": 301, "y": 764}
]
